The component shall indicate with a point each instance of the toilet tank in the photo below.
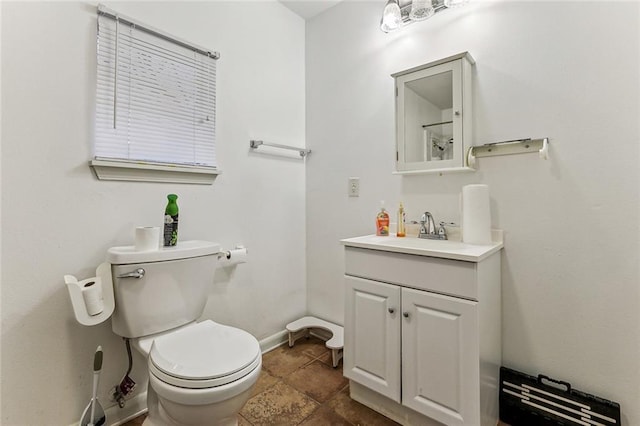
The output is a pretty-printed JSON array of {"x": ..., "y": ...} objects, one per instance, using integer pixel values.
[{"x": 173, "y": 290}]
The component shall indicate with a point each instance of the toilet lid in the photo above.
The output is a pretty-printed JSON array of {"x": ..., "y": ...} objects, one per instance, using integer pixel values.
[{"x": 206, "y": 351}]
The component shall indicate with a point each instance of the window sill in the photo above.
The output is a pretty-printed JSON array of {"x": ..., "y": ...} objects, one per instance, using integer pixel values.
[{"x": 150, "y": 172}]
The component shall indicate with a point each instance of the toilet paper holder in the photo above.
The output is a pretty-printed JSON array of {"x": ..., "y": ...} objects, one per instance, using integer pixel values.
[
  {"x": 232, "y": 257},
  {"x": 101, "y": 282}
]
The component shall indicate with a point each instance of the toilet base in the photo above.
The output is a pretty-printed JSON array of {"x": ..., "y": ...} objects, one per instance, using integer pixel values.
[{"x": 195, "y": 415}]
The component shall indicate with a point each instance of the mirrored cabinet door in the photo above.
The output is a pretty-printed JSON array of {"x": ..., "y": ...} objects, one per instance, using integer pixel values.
[{"x": 433, "y": 116}]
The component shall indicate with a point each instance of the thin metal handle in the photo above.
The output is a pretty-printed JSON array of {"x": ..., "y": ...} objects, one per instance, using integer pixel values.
[
  {"x": 138, "y": 273},
  {"x": 392, "y": 310},
  {"x": 405, "y": 314},
  {"x": 453, "y": 224},
  {"x": 254, "y": 144}
]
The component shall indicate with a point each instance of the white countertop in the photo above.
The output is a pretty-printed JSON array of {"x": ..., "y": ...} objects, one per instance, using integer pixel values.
[{"x": 446, "y": 249}]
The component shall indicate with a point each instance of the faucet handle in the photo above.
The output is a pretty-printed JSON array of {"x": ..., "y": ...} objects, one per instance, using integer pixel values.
[
  {"x": 452, "y": 224},
  {"x": 442, "y": 231}
]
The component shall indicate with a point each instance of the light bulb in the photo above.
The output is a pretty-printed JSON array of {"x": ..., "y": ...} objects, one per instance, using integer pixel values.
[
  {"x": 455, "y": 3},
  {"x": 421, "y": 10},
  {"x": 391, "y": 18}
]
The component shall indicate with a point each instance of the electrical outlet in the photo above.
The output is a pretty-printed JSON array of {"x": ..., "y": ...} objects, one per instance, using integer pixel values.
[{"x": 354, "y": 187}]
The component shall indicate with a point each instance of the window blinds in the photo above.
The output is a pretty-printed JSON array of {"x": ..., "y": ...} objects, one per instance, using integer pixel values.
[{"x": 155, "y": 100}]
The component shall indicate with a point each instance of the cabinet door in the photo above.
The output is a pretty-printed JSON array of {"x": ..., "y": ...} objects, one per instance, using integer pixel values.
[
  {"x": 372, "y": 335},
  {"x": 429, "y": 118},
  {"x": 440, "y": 357}
]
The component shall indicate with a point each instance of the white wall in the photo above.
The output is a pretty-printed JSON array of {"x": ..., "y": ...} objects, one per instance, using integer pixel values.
[
  {"x": 564, "y": 70},
  {"x": 58, "y": 219}
]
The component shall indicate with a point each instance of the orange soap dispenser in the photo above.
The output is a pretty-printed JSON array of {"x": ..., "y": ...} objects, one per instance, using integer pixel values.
[{"x": 382, "y": 221}]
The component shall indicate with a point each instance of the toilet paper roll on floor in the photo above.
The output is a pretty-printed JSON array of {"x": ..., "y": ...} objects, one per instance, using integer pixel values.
[
  {"x": 147, "y": 238},
  {"x": 476, "y": 214}
]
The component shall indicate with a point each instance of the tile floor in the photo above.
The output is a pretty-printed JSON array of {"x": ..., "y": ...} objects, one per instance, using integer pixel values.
[{"x": 298, "y": 386}]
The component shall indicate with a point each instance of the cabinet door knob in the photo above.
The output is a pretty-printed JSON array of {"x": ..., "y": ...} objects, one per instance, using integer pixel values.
[
  {"x": 391, "y": 310},
  {"x": 405, "y": 314}
]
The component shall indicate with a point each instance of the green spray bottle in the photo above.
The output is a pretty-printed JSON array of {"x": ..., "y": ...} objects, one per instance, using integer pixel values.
[{"x": 171, "y": 221}]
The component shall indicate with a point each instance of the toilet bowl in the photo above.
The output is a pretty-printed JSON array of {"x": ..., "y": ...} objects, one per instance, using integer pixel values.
[{"x": 200, "y": 374}]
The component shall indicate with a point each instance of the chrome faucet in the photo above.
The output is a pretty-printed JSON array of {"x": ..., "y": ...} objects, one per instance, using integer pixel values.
[{"x": 428, "y": 228}]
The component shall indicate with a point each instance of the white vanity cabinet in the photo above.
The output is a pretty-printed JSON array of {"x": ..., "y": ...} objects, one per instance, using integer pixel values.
[{"x": 422, "y": 333}]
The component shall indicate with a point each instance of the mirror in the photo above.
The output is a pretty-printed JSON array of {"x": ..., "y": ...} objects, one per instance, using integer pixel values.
[
  {"x": 428, "y": 121},
  {"x": 433, "y": 115}
]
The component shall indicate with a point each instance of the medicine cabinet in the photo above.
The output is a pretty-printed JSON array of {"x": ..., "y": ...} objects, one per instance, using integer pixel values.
[{"x": 433, "y": 116}]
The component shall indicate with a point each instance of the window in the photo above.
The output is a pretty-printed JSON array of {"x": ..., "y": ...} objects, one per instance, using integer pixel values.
[{"x": 155, "y": 104}]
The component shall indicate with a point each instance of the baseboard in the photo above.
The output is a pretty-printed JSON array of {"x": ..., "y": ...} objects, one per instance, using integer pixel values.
[
  {"x": 116, "y": 416},
  {"x": 321, "y": 334},
  {"x": 137, "y": 405},
  {"x": 270, "y": 343}
]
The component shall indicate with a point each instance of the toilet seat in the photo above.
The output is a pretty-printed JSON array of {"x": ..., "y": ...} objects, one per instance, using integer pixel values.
[{"x": 204, "y": 355}]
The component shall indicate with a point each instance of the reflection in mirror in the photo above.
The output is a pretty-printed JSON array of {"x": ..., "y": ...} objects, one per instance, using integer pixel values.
[{"x": 428, "y": 106}]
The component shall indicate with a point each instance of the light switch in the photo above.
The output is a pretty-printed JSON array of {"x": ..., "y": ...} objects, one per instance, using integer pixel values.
[{"x": 354, "y": 187}]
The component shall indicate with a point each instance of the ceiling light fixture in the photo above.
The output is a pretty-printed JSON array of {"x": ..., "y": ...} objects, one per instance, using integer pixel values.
[
  {"x": 395, "y": 16},
  {"x": 455, "y": 3},
  {"x": 391, "y": 16},
  {"x": 421, "y": 10}
]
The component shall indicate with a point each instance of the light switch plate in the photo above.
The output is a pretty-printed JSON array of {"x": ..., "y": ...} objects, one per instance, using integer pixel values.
[{"x": 354, "y": 187}]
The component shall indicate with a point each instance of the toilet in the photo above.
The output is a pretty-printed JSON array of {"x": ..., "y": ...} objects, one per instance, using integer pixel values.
[{"x": 200, "y": 373}]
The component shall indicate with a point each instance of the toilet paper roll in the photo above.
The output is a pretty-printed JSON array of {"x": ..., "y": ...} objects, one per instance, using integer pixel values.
[
  {"x": 476, "y": 214},
  {"x": 147, "y": 238},
  {"x": 92, "y": 294},
  {"x": 233, "y": 257}
]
